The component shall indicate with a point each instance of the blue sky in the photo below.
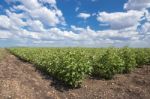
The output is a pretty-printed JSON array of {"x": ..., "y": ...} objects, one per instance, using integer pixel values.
[
  {"x": 86, "y": 23},
  {"x": 68, "y": 8}
]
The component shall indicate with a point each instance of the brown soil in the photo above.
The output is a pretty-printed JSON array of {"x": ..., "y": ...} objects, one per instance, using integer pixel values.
[{"x": 20, "y": 80}]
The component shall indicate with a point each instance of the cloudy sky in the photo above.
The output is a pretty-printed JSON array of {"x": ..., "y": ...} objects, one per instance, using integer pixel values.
[{"x": 86, "y": 23}]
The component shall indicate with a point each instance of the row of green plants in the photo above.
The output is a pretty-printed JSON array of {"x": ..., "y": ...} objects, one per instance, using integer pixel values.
[{"x": 72, "y": 65}]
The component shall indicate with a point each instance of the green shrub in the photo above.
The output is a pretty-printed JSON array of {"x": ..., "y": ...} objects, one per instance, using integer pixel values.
[
  {"x": 142, "y": 57},
  {"x": 147, "y": 56},
  {"x": 128, "y": 56},
  {"x": 109, "y": 64},
  {"x": 75, "y": 65}
]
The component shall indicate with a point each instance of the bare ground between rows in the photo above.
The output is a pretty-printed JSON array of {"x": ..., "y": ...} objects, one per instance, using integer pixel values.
[{"x": 21, "y": 80}]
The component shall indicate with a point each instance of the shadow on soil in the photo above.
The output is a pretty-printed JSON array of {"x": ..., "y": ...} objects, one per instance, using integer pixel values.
[{"x": 57, "y": 84}]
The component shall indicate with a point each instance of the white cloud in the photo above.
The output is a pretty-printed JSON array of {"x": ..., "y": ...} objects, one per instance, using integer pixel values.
[
  {"x": 89, "y": 34},
  {"x": 5, "y": 34},
  {"x": 46, "y": 16},
  {"x": 48, "y": 1},
  {"x": 120, "y": 20},
  {"x": 15, "y": 19},
  {"x": 77, "y": 37},
  {"x": 35, "y": 10},
  {"x": 84, "y": 15},
  {"x": 146, "y": 28},
  {"x": 35, "y": 25},
  {"x": 137, "y": 4},
  {"x": 31, "y": 4},
  {"x": 4, "y": 22}
]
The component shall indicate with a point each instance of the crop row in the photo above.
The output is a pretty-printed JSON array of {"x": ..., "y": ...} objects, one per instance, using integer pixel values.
[{"x": 72, "y": 65}]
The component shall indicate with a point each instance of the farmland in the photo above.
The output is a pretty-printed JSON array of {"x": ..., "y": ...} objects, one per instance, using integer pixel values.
[
  {"x": 75, "y": 73},
  {"x": 73, "y": 65}
]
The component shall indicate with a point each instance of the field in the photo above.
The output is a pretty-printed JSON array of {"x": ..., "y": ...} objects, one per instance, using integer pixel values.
[
  {"x": 73, "y": 65},
  {"x": 75, "y": 73}
]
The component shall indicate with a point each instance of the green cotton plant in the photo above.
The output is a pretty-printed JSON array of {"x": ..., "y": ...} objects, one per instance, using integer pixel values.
[
  {"x": 109, "y": 64},
  {"x": 142, "y": 57},
  {"x": 74, "y": 67},
  {"x": 147, "y": 56},
  {"x": 128, "y": 56}
]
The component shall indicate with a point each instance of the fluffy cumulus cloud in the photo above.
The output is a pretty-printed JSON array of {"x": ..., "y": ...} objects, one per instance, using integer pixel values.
[
  {"x": 37, "y": 11},
  {"x": 121, "y": 20},
  {"x": 30, "y": 23},
  {"x": 131, "y": 27},
  {"x": 34, "y": 24},
  {"x": 137, "y": 4},
  {"x": 84, "y": 15}
]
